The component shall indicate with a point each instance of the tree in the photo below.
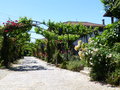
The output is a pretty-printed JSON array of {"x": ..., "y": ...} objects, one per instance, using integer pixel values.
[
  {"x": 15, "y": 36},
  {"x": 112, "y": 6}
]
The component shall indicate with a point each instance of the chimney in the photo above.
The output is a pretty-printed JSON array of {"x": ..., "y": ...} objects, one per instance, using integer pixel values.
[{"x": 103, "y": 21}]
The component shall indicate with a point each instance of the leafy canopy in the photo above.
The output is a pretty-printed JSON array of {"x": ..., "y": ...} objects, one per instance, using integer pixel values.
[{"x": 112, "y": 6}]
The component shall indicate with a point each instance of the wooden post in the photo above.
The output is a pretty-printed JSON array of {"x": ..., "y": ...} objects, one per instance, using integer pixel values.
[{"x": 112, "y": 19}]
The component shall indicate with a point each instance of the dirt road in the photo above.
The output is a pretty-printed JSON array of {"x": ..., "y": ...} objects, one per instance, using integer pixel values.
[{"x": 34, "y": 74}]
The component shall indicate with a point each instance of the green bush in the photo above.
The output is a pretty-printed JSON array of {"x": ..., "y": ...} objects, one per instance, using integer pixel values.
[
  {"x": 57, "y": 58},
  {"x": 116, "y": 47},
  {"x": 114, "y": 77},
  {"x": 103, "y": 54},
  {"x": 101, "y": 65},
  {"x": 64, "y": 65},
  {"x": 75, "y": 65},
  {"x": 106, "y": 66}
]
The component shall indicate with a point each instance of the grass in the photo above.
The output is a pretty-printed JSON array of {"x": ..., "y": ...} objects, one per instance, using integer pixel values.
[{"x": 74, "y": 65}]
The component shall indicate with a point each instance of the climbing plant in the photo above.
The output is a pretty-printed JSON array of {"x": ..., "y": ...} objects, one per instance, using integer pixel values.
[
  {"x": 60, "y": 37},
  {"x": 15, "y": 35}
]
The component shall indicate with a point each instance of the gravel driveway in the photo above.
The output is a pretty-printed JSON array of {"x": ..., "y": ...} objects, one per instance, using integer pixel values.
[{"x": 34, "y": 74}]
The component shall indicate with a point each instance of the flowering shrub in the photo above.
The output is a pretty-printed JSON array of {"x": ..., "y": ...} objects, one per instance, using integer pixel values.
[
  {"x": 114, "y": 76},
  {"x": 11, "y": 25},
  {"x": 15, "y": 36},
  {"x": 102, "y": 55}
]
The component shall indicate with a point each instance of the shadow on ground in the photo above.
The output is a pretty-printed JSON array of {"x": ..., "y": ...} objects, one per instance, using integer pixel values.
[{"x": 28, "y": 68}]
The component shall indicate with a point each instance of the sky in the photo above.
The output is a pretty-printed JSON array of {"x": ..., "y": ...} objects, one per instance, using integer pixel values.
[{"x": 54, "y": 10}]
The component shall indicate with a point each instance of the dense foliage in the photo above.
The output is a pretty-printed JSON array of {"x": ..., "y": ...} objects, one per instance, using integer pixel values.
[
  {"x": 112, "y": 6},
  {"x": 59, "y": 48},
  {"x": 60, "y": 31},
  {"x": 14, "y": 37},
  {"x": 103, "y": 55}
]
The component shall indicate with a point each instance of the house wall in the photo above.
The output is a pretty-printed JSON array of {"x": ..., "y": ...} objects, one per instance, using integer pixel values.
[{"x": 86, "y": 37}]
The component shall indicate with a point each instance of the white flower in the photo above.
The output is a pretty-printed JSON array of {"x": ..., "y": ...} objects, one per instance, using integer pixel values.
[
  {"x": 91, "y": 63},
  {"x": 81, "y": 54},
  {"x": 90, "y": 58},
  {"x": 86, "y": 53},
  {"x": 91, "y": 52},
  {"x": 90, "y": 40},
  {"x": 95, "y": 49},
  {"x": 109, "y": 56},
  {"x": 100, "y": 44}
]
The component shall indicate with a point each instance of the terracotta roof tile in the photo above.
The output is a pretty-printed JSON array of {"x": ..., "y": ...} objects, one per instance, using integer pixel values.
[{"x": 85, "y": 23}]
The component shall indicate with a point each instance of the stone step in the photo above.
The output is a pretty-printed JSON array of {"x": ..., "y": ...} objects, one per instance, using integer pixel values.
[{"x": 86, "y": 71}]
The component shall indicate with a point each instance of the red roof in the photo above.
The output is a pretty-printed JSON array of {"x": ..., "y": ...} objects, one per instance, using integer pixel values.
[{"x": 85, "y": 23}]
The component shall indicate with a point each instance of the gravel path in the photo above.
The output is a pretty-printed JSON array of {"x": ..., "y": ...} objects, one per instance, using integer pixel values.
[{"x": 34, "y": 74}]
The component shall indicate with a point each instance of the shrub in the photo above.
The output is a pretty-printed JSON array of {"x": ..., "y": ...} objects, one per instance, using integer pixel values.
[
  {"x": 114, "y": 77},
  {"x": 57, "y": 58},
  {"x": 75, "y": 65},
  {"x": 1, "y": 64},
  {"x": 103, "y": 55},
  {"x": 101, "y": 65},
  {"x": 116, "y": 47},
  {"x": 64, "y": 65}
]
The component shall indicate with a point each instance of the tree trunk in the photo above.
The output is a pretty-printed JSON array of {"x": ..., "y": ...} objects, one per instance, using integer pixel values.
[{"x": 5, "y": 51}]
